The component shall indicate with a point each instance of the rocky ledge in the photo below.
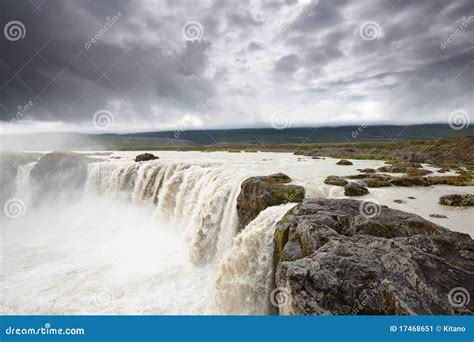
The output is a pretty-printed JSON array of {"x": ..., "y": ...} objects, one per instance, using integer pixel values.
[
  {"x": 258, "y": 193},
  {"x": 145, "y": 157},
  {"x": 345, "y": 257}
]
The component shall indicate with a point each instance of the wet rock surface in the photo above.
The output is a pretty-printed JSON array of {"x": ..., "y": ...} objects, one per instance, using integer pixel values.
[
  {"x": 457, "y": 200},
  {"x": 344, "y": 162},
  {"x": 335, "y": 180},
  {"x": 331, "y": 258},
  {"x": 258, "y": 193},
  {"x": 355, "y": 189},
  {"x": 145, "y": 157}
]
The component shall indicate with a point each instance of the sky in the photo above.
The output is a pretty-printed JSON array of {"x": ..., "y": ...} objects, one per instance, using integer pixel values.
[{"x": 128, "y": 66}]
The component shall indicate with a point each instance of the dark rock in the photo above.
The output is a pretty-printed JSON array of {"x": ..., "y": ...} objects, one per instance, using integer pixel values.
[
  {"x": 355, "y": 189},
  {"x": 417, "y": 172},
  {"x": 368, "y": 170},
  {"x": 410, "y": 181},
  {"x": 145, "y": 157},
  {"x": 399, "y": 167},
  {"x": 258, "y": 193},
  {"x": 443, "y": 170},
  {"x": 376, "y": 182},
  {"x": 438, "y": 216},
  {"x": 335, "y": 180},
  {"x": 335, "y": 260},
  {"x": 399, "y": 201},
  {"x": 457, "y": 200},
  {"x": 344, "y": 162},
  {"x": 462, "y": 180},
  {"x": 411, "y": 197}
]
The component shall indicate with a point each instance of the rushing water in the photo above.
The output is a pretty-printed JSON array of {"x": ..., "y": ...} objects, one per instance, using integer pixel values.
[{"x": 160, "y": 237}]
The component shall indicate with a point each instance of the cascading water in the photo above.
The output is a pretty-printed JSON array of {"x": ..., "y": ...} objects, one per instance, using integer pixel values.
[
  {"x": 182, "y": 223},
  {"x": 244, "y": 279},
  {"x": 157, "y": 237}
]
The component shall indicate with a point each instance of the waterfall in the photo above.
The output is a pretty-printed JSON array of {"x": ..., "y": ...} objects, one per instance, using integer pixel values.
[
  {"x": 166, "y": 228},
  {"x": 198, "y": 199},
  {"x": 244, "y": 278}
]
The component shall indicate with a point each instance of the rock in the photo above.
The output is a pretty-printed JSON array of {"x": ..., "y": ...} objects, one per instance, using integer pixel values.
[
  {"x": 417, "y": 172},
  {"x": 411, "y": 197},
  {"x": 438, "y": 216},
  {"x": 355, "y": 189},
  {"x": 59, "y": 173},
  {"x": 399, "y": 201},
  {"x": 410, "y": 181},
  {"x": 344, "y": 162},
  {"x": 399, "y": 167},
  {"x": 258, "y": 193},
  {"x": 461, "y": 180},
  {"x": 145, "y": 157},
  {"x": 333, "y": 259},
  {"x": 335, "y": 180},
  {"x": 368, "y": 170},
  {"x": 443, "y": 170},
  {"x": 376, "y": 182},
  {"x": 457, "y": 200}
]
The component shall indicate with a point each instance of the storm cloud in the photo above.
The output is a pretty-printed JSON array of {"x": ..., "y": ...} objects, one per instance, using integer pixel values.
[{"x": 158, "y": 65}]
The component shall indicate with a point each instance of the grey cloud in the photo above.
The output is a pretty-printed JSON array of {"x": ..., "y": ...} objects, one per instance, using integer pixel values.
[
  {"x": 146, "y": 71},
  {"x": 287, "y": 64}
]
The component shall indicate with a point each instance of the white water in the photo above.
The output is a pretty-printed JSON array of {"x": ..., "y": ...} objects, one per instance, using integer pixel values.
[{"x": 159, "y": 237}]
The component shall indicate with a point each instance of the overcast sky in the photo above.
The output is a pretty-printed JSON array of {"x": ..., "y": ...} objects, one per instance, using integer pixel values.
[{"x": 108, "y": 66}]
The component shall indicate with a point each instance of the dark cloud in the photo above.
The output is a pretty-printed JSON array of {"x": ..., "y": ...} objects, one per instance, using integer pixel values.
[{"x": 414, "y": 63}]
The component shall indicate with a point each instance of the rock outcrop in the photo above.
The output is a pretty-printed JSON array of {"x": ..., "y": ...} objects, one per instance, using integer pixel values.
[
  {"x": 345, "y": 257},
  {"x": 457, "y": 200},
  {"x": 335, "y": 180},
  {"x": 344, "y": 162},
  {"x": 59, "y": 173},
  {"x": 145, "y": 157},
  {"x": 258, "y": 193},
  {"x": 355, "y": 189}
]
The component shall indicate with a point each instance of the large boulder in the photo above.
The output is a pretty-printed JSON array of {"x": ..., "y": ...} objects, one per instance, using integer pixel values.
[
  {"x": 258, "y": 193},
  {"x": 355, "y": 189},
  {"x": 457, "y": 200},
  {"x": 145, "y": 157},
  {"x": 344, "y": 162},
  {"x": 335, "y": 180},
  {"x": 343, "y": 257}
]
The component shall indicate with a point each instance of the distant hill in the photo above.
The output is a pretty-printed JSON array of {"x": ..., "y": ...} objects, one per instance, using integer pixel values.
[{"x": 232, "y": 137}]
